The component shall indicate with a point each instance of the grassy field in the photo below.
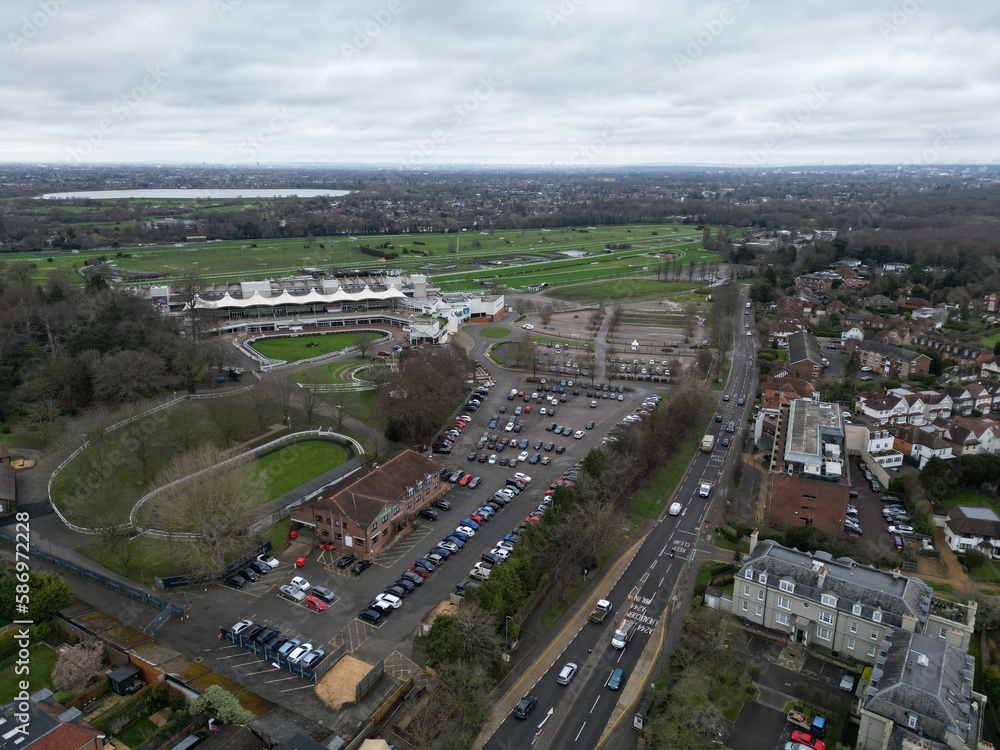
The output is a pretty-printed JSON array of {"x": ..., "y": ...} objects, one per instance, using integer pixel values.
[
  {"x": 434, "y": 254},
  {"x": 619, "y": 290},
  {"x": 294, "y": 465},
  {"x": 651, "y": 500},
  {"x": 42, "y": 660},
  {"x": 495, "y": 332},
  {"x": 967, "y": 497},
  {"x": 293, "y": 348}
]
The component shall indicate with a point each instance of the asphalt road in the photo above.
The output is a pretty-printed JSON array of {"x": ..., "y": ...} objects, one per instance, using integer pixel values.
[{"x": 578, "y": 714}]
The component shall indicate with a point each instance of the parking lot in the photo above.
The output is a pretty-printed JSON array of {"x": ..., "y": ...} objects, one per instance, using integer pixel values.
[{"x": 390, "y": 638}]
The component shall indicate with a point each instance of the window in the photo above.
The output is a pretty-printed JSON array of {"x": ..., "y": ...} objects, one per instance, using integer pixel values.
[
  {"x": 760, "y": 595},
  {"x": 374, "y": 526},
  {"x": 325, "y": 532},
  {"x": 786, "y": 586},
  {"x": 854, "y": 627},
  {"x": 409, "y": 492},
  {"x": 359, "y": 542},
  {"x": 420, "y": 485},
  {"x": 760, "y": 610},
  {"x": 784, "y": 602},
  {"x": 746, "y": 589},
  {"x": 338, "y": 536},
  {"x": 871, "y": 651},
  {"x": 746, "y": 606},
  {"x": 781, "y": 618},
  {"x": 828, "y": 600},
  {"x": 749, "y": 573},
  {"x": 385, "y": 517},
  {"x": 318, "y": 519},
  {"x": 762, "y": 578},
  {"x": 877, "y": 616},
  {"x": 337, "y": 524},
  {"x": 943, "y": 633},
  {"x": 851, "y": 643},
  {"x": 374, "y": 538},
  {"x": 824, "y": 633},
  {"x": 874, "y": 634},
  {"x": 911, "y": 721},
  {"x": 826, "y": 617}
]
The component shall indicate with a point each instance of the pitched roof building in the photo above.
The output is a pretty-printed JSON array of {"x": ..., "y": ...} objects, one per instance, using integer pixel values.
[{"x": 366, "y": 511}]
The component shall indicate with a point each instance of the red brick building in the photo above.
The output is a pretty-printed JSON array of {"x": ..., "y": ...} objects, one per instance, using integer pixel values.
[{"x": 365, "y": 512}]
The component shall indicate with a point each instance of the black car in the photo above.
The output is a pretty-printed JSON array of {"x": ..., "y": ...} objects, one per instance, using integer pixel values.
[
  {"x": 323, "y": 593},
  {"x": 252, "y": 632},
  {"x": 265, "y": 635},
  {"x": 442, "y": 504},
  {"x": 725, "y": 441},
  {"x": 472, "y": 456},
  {"x": 236, "y": 582},
  {"x": 549, "y": 446},
  {"x": 259, "y": 567},
  {"x": 250, "y": 574},
  {"x": 413, "y": 578},
  {"x": 408, "y": 586},
  {"x": 396, "y": 590},
  {"x": 525, "y": 706},
  {"x": 430, "y": 515},
  {"x": 590, "y": 425},
  {"x": 346, "y": 561},
  {"x": 560, "y": 449},
  {"x": 361, "y": 566},
  {"x": 370, "y": 616}
]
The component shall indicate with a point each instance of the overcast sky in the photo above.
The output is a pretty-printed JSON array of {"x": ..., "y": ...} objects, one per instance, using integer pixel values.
[{"x": 742, "y": 82}]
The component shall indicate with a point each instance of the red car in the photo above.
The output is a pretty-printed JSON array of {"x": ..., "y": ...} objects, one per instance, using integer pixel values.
[
  {"x": 807, "y": 739},
  {"x": 466, "y": 478},
  {"x": 315, "y": 603},
  {"x": 527, "y": 410},
  {"x": 532, "y": 519},
  {"x": 479, "y": 519},
  {"x": 422, "y": 572}
]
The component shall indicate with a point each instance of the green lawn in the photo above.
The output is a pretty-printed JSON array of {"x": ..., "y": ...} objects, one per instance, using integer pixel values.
[
  {"x": 293, "y": 348},
  {"x": 619, "y": 290},
  {"x": 295, "y": 464},
  {"x": 42, "y": 660},
  {"x": 150, "y": 558},
  {"x": 967, "y": 497},
  {"x": 134, "y": 734},
  {"x": 495, "y": 332},
  {"x": 650, "y": 501}
]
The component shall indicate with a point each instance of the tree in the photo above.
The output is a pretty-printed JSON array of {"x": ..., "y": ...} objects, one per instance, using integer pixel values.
[
  {"x": 262, "y": 401},
  {"x": 49, "y": 594},
  {"x": 219, "y": 703},
  {"x": 363, "y": 341},
  {"x": 308, "y": 400},
  {"x": 545, "y": 314},
  {"x": 77, "y": 666},
  {"x": 214, "y": 508},
  {"x": 228, "y": 419},
  {"x": 595, "y": 320},
  {"x": 339, "y": 415}
]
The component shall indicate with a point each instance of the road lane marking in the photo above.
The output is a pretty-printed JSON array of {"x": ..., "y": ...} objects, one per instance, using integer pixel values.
[
  {"x": 577, "y": 738},
  {"x": 595, "y": 704}
]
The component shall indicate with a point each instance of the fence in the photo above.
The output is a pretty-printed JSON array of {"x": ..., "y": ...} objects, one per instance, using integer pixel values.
[
  {"x": 367, "y": 682},
  {"x": 172, "y": 582},
  {"x": 272, "y": 656},
  {"x": 125, "y": 589},
  {"x": 274, "y": 364}
]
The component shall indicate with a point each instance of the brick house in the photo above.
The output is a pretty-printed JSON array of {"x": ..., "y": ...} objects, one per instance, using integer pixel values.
[
  {"x": 890, "y": 360},
  {"x": 365, "y": 512},
  {"x": 805, "y": 358}
]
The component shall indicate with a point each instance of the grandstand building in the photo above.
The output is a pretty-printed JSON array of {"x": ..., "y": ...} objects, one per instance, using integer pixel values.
[{"x": 411, "y": 302}]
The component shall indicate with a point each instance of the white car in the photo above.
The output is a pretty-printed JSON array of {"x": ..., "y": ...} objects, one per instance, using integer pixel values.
[
  {"x": 300, "y": 583},
  {"x": 523, "y": 456},
  {"x": 504, "y": 544},
  {"x": 241, "y": 626},
  {"x": 502, "y": 552},
  {"x": 393, "y": 601},
  {"x": 450, "y": 546},
  {"x": 704, "y": 489},
  {"x": 528, "y": 327},
  {"x": 299, "y": 652},
  {"x": 267, "y": 560},
  {"x": 579, "y": 434},
  {"x": 481, "y": 570},
  {"x": 901, "y": 529},
  {"x": 492, "y": 460},
  {"x": 522, "y": 476},
  {"x": 467, "y": 530}
]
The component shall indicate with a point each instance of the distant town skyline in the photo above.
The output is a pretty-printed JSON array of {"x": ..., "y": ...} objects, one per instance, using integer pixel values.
[{"x": 746, "y": 83}]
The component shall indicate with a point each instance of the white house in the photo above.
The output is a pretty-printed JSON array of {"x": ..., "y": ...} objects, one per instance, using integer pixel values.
[
  {"x": 973, "y": 528},
  {"x": 853, "y": 334}
]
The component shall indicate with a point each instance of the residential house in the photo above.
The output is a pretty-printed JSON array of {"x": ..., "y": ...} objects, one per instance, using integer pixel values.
[
  {"x": 365, "y": 512},
  {"x": 855, "y": 286},
  {"x": 922, "y": 443},
  {"x": 895, "y": 267},
  {"x": 920, "y": 696},
  {"x": 847, "y": 263},
  {"x": 852, "y": 334},
  {"x": 46, "y": 726},
  {"x": 880, "y": 447},
  {"x": 879, "y": 301},
  {"x": 893, "y": 336},
  {"x": 962, "y": 352},
  {"x": 972, "y": 435},
  {"x": 991, "y": 302},
  {"x": 914, "y": 303},
  {"x": 890, "y": 360},
  {"x": 820, "y": 282},
  {"x": 780, "y": 329},
  {"x": 805, "y": 357},
  {"x": 776, "y": 392},
  {"x": 989, "y": 368},
  {"x": 904, "y": 406},
  {"x": 972, "y": 397},
  {"x": 839, "y": 606},
  {"x": 973, "y": 528},
  {"x": 935, "y": 316}
]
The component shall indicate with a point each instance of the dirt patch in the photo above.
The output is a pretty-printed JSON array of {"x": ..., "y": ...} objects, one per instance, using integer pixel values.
[
  {"x": 22, "y": 463},
  {"x": 336, "y": 688}
]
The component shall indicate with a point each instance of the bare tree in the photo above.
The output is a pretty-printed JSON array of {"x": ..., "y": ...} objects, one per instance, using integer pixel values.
[
  {"x": 262, "y": 400},
  {"x": 308, "y": 400},
  {"x": 339, "y": 415},
  {"x": 282, "y": 390},
  {"x": 183, "y": 426},
  {"x": 595, "y": 320},
  {"x": 228, "y": 418},
  {"x": 545, "y": 314},
  {"x": 213, "y": 509},
  {"x": 363, "y": 340}
]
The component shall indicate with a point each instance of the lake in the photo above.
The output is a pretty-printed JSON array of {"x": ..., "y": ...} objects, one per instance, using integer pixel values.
[{"x": 193, "y": 194}]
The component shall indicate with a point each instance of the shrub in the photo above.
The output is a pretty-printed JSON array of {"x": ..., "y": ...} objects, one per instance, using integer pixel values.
[
  {"x": 974, "y": 559},
  {"x": 77, "y": 666}
]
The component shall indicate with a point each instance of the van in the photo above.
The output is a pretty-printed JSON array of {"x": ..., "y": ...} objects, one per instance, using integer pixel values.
[
  {"x": 623, "y": 634},
  {"x": 898, "y": 542},
  {"x": 675, "y": 509}
]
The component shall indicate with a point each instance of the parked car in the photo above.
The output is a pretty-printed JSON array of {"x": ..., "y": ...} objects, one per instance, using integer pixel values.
[
  {"x": 300, "y": 583},
  {"x": 299, "y": 652},
  {"x": 430, "y": 515},
  {"x": 370, "y": 616},
  {"x": 315, "y": 603},
  {"x": 236, "y": 582},
  {"x": 442, "y": 504},
  {"x": 323, "y": 593},
  {"x": 346, "y": 561},
  {"x": 848, "y": 680},
  {"x": 268, "y": 560},
  {"x": 360, "y": 567},
  {"x": 312, "y": 658},
  {"x": 240, "y": 626}
]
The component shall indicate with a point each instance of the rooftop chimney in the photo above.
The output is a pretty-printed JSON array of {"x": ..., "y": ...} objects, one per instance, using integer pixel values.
[
  {"x": 754, "y": 535},
  {"x": 822, "y": 577}
]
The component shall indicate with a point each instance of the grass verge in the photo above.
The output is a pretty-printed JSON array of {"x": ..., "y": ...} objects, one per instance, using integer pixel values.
[
  {"x": 294, "y": 348},
  {"x": 650, "y": 501},
  {"x": 295, "y": 464},
  {"x": 42, "y": 659},
  {"x": 495, "y": 332}
]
